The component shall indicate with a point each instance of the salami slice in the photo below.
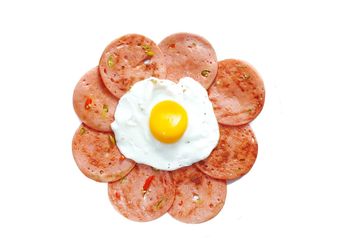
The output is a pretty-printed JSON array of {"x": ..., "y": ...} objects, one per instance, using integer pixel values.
[
  {"x": 198, "y": 196},
  {"x": 237, "y": 94},
  {"x": 144, "y": 194},
  {"x": 189, "y": 55},
  {"x": 93, "y": 103},
  {"x": 97, "y": 155},
  {"x": 129, "y": 59},
  {"x": 234, "y": 155}
]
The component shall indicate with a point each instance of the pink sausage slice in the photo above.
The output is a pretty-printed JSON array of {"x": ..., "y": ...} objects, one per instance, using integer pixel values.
[
  {"x": 93, "y": 103},
  {"x": 234, "y": 155},
  {"x": 198, "y": 196},
  {"x": 97, "y": 155},
  {"x": 129, "y": 59},
  {"x": 144, "y": 194},
  {"x": 189, "y": 55},
  {"x": 237, "y": 94}
]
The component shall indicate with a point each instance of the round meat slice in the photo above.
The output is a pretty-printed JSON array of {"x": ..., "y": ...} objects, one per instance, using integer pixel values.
[
  {"x": 189, "y": 55},
  {"x": 237, "y": 94},
  {"x": 234, "y": 155},
  {"x": 93, "y": 103},
  {"x": 130, "y": 59},
  {"x": 198, "y": 197},
  {"x": 144, "y": 194},
  {"x": 98, "y": 157}
]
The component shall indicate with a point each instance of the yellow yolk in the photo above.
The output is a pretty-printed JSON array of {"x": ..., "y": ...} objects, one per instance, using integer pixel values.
[{"x": 168, "y": 121}]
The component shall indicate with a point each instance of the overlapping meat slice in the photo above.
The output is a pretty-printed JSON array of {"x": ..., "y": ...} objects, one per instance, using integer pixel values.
[
  {"x": 189, "y": 55},
  {"x": 129, "y": 59},
  {"x": 97, "y": 155},
  {"x": 144, "y": 194},
  {"x": 93, "y": 103},
  {"x": 234, "y": 155},
  {"x": 237, "y": 93},
  {"x": 198, "y": 196}
]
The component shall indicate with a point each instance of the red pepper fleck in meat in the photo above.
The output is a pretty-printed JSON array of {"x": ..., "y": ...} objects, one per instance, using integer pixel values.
[
  {"x": 117, "y": 195},
  {"x": 148, "y": 183},
  {"x": 88, "y": 103}
]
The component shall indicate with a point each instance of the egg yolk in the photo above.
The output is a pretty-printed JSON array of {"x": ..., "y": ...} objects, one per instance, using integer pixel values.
[{"x": 168, "y": 121}]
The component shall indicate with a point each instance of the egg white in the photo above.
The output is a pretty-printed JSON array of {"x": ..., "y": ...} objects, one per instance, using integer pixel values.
[{"x": 131, "y": 126}]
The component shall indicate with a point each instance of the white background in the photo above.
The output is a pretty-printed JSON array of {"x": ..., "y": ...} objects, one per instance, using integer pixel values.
[{"x": 295, "y": 197}]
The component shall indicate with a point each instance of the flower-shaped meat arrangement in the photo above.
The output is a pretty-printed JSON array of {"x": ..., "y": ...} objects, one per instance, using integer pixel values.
[{"x": 166, "y": 126}]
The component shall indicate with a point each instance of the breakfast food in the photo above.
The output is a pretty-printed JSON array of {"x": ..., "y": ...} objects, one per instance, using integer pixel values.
[
  {"x": 189, "y": 55},
  {"x": 166, "y": 126},
  {"x": 234, "y": 155},
  {"x": 146, "y": 136},
  {"x": 93, "y": 103},
  {"x": 237, "y": 93},
  {"x": 98, "y": 157},
  {"x": 130, "y": 59},
  {"x": 198, "y": 196},
  {"x": 143, "y": 195}
]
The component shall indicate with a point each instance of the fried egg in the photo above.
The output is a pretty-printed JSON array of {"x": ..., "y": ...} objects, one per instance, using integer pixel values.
[{"x": 164, "y": 124}]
